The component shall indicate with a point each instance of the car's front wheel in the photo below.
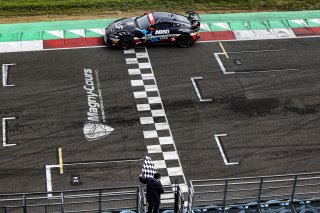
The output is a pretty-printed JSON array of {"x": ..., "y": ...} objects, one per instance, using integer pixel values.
[
  {"x": 126, "y": 42},
  {"x": 184, "y": 41}
]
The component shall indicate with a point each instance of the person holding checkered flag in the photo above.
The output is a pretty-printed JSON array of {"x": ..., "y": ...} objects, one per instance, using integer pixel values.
[{"x": 151, "y": 177}]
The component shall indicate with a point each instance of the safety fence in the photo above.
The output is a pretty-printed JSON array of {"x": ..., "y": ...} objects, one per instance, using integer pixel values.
[
  {"x": 257, "y": 192},
  {"x": 108, "y": 200},
  {"x": 287, "y": 193}
]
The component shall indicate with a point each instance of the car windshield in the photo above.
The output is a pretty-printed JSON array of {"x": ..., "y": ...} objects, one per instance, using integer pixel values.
[
  {"x": 182, "y": 19},
  {"x": 143, "y": 22}
]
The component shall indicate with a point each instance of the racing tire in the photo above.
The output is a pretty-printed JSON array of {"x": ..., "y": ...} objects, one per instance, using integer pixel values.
[
  {"x": 126, "y": 42},
  {"x": 184, "y": 41}
]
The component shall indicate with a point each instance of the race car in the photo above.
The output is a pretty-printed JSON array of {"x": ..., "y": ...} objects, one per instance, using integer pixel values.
[{"x": 154, "y": 27}]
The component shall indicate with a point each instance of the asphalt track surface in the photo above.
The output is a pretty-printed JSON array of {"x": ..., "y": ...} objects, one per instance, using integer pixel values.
[{"x": 267, "y": 103}]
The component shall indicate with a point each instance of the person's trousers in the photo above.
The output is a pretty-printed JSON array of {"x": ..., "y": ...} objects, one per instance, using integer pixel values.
[{"x": 153, "y": 207}]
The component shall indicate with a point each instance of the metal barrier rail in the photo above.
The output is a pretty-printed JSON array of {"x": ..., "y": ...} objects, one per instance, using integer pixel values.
[
  {"x": 257, "y": 191},
  {"x": 125, "y": 199},
  {"x": 97, "y": 200}
]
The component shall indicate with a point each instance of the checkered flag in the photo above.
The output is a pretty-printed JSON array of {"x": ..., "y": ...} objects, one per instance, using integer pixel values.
[{"x": 148, "y": 168}]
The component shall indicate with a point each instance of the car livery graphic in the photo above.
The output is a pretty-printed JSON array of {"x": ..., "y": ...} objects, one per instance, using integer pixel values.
[{"x": 155, "y": 27}]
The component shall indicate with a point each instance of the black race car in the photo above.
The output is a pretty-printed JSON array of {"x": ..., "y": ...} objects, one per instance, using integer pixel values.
[{"x": 155, "y": 27}]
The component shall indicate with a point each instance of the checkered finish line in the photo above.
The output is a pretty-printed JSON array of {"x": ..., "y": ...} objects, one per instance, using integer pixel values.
[{"x": 156, "y": 130}]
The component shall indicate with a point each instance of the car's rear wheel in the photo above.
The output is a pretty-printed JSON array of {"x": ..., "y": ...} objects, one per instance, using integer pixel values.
[
  {"x": 126, "y": 42},
  {"x": 184, "y": 41}
]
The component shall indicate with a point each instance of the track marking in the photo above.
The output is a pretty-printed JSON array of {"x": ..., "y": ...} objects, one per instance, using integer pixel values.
[
  {"x": 5, "y": 73},
  {"x": 194, "y": 79},
  {"x": 4, "y": 132},
  {"x": 222, "y": 152},
  {"x": 223, "y": 50},
  {"x": 49, "y": 178},
  {"x": 283, "y": 70},
  {"x": 49, "y": 167},
  {"x": 161, "y": 147},
  {"x": 60, "y": 160},
  {"x": 223, "y": 69},
  {"x": 257, "y": 51}
]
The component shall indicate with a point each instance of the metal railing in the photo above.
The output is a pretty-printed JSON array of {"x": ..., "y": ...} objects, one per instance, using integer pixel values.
[
  {"x": 222, "y": 194},
  {"x": 253, "y": 191},
  {"x": 124, "y": 199},
  {"x": 97, "y": 200}
]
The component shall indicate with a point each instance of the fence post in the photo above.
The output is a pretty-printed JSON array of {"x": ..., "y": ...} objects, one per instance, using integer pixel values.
[
  {"x": 259, "y": 195},
  {"x": 24, "y": 204},
  {"x": 176, "y": 198},
  {"x": 62, "y": 203},
  {"x": 138, "y": 199},
  {"x": 293, "y": 188},
  {"x": 293, "y": 193},
  {"x": 100, "y": 200},
  {"x": 260, "y": 189},
  {"x": 190, "y": 200},
  {"x": 225, "y": 196}
]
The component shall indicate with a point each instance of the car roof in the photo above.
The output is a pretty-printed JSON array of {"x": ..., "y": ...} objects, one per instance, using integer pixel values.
[{"x": 170, "y": 17}]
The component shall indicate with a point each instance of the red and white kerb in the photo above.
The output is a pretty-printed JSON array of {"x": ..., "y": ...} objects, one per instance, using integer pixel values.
[{"x": 151, "y": 19}]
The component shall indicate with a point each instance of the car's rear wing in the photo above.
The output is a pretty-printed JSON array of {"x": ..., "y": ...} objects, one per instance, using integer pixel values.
[{"x": 194, "y": 18}]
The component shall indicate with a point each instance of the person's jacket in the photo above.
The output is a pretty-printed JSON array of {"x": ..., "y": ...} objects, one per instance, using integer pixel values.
[{"x": 154, "y": 189}]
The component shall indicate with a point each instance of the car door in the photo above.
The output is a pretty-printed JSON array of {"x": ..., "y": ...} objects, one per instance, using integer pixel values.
[{"x": 162, "y": 31}]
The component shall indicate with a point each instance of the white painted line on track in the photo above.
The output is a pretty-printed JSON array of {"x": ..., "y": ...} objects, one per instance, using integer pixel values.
[
  {"x": 158, "y": 112},
  {"x": 144, "y": 66},
  {"x": 137, "y": 83},
  {"x": 131, "y": 60},
  {"x": 264, "y": 71},
  {"x": 140, "y": 94},
  {"x": 4, "y": 132},
  {"x": 49, "y": 167},
  {"x": 49, "y": 178},
  {"x": 102, "y": 162},
  {"x": 193, "y": 79},
  {"x": 154, "y": 149},
  {"x": 151, "y": 88},
  {"x": 253, "y": 71},
  {"x": 150, "y": 134},
  {"x": 130, "y": 51},
  {"x": 143, "y": 107},
  {"x": 154, "y": 100},
  {"x": 5, "y": 74},
  {"x": 146, "y": 120},
  {"x": 223, "y": 154},
  {"x": 134, "y": 71},
  {"x": 257, "y": 51},
  {"x": 223, "y": 69},
  {"x": 161, "y": 126}
]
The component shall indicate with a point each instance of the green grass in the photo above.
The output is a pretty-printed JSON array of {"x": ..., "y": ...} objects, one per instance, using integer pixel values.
[{"x": 76, "y": 7}]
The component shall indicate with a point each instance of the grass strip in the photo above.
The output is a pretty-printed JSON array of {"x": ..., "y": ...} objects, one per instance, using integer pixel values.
[{"x": 76, "y": 7}]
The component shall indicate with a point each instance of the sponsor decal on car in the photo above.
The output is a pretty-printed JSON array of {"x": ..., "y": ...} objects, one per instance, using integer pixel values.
[{"x": 162, "y": 32}]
